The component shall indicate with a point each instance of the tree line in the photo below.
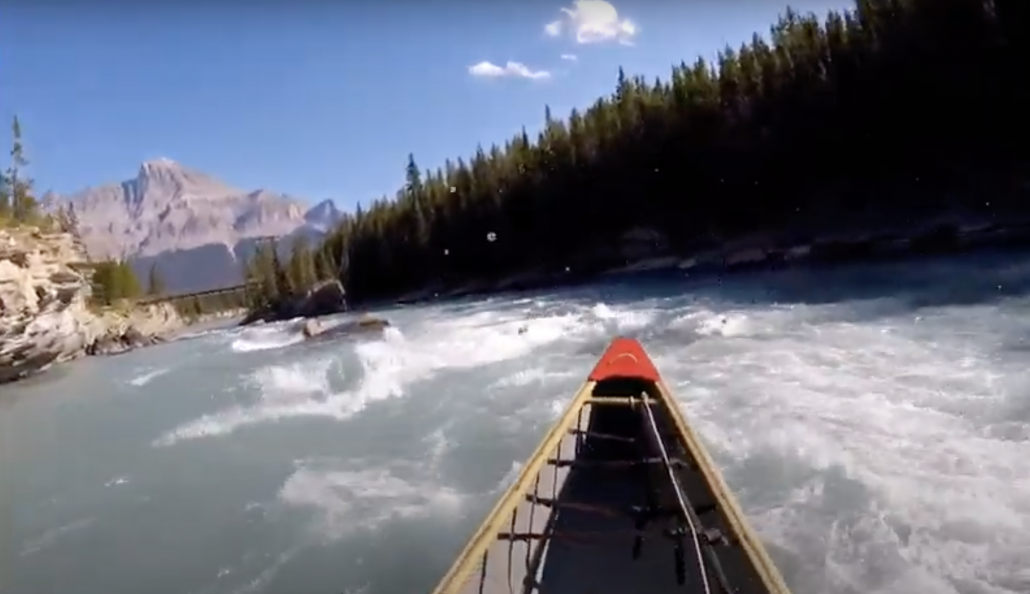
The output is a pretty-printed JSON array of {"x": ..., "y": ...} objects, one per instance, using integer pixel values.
[
  {"x": 115, "y": 281},
  {"x": 895, "y": 109},
  {"x": 272, "y": 280}
]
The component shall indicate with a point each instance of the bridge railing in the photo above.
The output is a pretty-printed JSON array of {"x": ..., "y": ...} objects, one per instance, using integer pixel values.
[{"x": 182, "y": 296}]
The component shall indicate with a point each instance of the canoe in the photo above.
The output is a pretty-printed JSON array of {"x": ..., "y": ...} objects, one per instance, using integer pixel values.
[{"x": 620, "y": 497}]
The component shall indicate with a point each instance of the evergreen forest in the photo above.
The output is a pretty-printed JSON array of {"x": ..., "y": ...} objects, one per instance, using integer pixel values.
[{"x": 895, "y": 110}]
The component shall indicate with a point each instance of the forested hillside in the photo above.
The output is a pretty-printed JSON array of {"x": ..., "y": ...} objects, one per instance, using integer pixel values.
[{"x": 898, "y": 109}]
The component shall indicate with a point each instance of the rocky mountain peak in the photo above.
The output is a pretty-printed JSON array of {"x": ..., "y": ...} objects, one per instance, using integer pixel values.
[
  {"x": 188, "y": 223},
  {"x": 163, "y": 179},
  {"x": 323, "y": 215},
  {"x": 159, "y": 163}
]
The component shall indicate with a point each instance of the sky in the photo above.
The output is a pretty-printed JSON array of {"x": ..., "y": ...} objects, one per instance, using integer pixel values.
[{"x": 319, "y": 98}]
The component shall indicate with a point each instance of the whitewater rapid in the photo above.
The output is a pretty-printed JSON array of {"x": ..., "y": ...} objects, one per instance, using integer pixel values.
[{"x": 878, "y": 443}]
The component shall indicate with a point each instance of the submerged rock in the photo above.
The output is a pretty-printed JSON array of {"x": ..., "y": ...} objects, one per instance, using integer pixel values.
[
  {"x": 363, "y": 325},
  {"x": 311, "y": 328}
]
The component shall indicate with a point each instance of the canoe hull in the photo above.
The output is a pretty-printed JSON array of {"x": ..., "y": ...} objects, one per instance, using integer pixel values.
[{"x": 611, "y": 501}]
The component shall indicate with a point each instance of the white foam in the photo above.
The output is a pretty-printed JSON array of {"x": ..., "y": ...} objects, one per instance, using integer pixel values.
[
  {"x": 728, "y": 325},
  {"x": 347, "y": 498},
  {"x": 890, "y": 413},
  {"x": 50, "y": 537},
  {"x": 293, "y": 383},
  {"x": 388, "y": 367},
  {"x": 263, "y": 338},
  {"x": 205, "y": 333},
  {"x": 361, "y": 499},
  {"x": 293, "y": 390},
  {"x": 509, "y": 477},
  {"x": 865, "y": 450},
  {"x": 529, "y": 376},
  {"x": 117, "y": 481},
  {"x": 623, "y": 318},
  {"x": 146, "y": 377}
]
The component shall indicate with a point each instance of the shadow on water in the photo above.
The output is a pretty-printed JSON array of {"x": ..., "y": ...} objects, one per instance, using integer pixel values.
[
  {"x": 36, "y": 385},
  {"x": 979, "y": 278}
]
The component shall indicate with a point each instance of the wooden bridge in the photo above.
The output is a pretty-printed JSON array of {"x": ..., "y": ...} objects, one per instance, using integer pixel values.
[
  {"x": 210, "y": 292},
  {"x": 183, "y": 296}
]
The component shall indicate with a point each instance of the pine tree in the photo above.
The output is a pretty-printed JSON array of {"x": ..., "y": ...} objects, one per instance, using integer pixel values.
[
  {"x": 301, "y": 267},
  {"x": 5, "y": 197},
  {"x": 127, "y": 280},
  {"x": 114, "y": 280},
  {"x": 279, "y": 273},
  {"x": 323, "y": 267},
  {"x": 155, "y": 284},
  {"x": 416, "y": 197},
  {"x": 23, "y": 205}
]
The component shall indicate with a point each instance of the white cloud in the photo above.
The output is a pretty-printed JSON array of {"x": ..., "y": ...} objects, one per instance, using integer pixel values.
[
  {"x": 594, "y": 21},
  {"x": 569, "y": 57},
  {"x": 516, "y": 69}
]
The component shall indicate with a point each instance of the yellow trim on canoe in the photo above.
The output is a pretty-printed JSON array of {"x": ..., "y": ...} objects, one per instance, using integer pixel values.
[
  {"x": 485, "y": 535},
  {"x": 459, "y": 573},
  {"x": 768, "y": 571}
]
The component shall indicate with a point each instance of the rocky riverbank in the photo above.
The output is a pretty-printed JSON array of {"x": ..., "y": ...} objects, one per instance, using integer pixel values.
[
  {"x": 45, "y": 316},
  {"x": 647, "y": 250}
]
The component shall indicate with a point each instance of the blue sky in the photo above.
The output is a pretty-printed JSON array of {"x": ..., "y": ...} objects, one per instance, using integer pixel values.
[{"x": 323, "y": 99}]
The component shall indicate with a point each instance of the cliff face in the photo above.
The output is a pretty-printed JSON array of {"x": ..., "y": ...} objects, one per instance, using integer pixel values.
[{"x": 44, "y": 318}]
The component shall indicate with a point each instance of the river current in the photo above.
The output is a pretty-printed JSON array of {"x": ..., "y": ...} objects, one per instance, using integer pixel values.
[{"x": 873, "y": 421}]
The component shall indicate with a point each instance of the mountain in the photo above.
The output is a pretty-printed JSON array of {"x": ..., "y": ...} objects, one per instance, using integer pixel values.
[
  {"x": 323, "y": 215},
  {"x": 195, "y": 228}
]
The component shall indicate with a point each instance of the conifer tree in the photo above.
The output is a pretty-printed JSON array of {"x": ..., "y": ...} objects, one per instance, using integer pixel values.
[
  {"x": 5, "y": 198},
  {"x": 806, "y": 128},
  {"x": 155, "y": 283},
  {"x": 23, "y": 204}
]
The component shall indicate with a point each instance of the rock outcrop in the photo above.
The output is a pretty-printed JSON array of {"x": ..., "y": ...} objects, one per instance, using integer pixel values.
[
  {"x": 324, "y": 299},
  {"x": 44, "y": 313}
]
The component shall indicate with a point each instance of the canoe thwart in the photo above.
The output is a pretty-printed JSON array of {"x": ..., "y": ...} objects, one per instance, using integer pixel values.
[
  {"x": 620, "y": 496},
  {"x": 618, "y": 401},
  {"x": 596, "y": 435},
  {"x": 566, "y": 463}
]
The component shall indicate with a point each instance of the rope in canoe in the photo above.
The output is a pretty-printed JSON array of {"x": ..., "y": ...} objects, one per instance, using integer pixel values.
[
  {"x": 686, "y": 510},
  {"x": 706, "y": 559}
]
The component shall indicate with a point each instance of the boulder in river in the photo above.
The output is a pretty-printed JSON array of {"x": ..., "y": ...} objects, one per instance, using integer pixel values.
[
  {"x": 311, "y": 328},
  {"x": 364, "y": 325},
  {"x": 324, "y": 299}
]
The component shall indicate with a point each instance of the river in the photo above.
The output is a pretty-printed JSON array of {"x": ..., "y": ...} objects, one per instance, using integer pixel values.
[{"x": 874, "y": 422}]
